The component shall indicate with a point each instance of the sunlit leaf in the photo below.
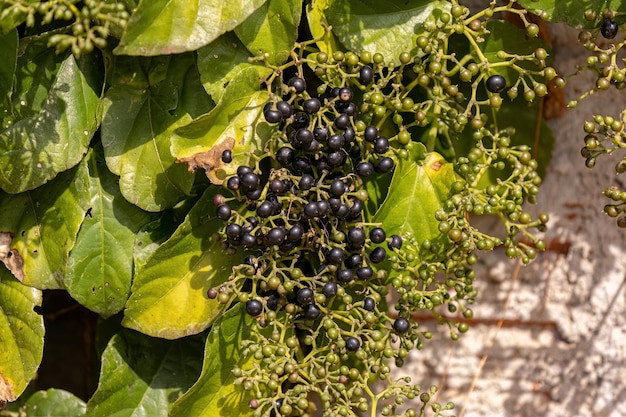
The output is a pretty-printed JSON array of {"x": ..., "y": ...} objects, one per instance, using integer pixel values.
[
  {"x": 223, "y": 60},
  {"x": 53, "y": 403},
  {"x": 215, "y": 394},
  {"x": 420, "y": 185},
  {"x": 272, "y": 29},
  {"x": 169, "y": 293},
  {"x": 386, "y": 27},
  {"x": 148, "y": 99},
  {"x": 100, "y": 266},
  {"x": 236, "y": 123},
  {"x": 21, "y": 335},
  {"x": 161, "y": 27},
  {"x": 143, "y": 376},
  {"x": 43, "y": 225},
  {"x": 51, "y": 118}
]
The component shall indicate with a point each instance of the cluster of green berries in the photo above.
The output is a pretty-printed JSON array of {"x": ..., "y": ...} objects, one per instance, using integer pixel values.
[{"x": 88, "y": 24}]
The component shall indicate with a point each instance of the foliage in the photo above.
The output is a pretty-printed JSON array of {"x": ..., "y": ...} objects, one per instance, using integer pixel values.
[{"x": 283, "y": 184}]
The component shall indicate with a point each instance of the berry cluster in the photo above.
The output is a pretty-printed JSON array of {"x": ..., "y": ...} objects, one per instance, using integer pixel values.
[
  {"x": 317, "y": 272},
  {"x": 90, "y": 23}
]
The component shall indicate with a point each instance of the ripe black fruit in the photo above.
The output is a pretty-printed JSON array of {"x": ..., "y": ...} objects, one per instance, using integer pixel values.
[
  {"x": 369, "y": 304},
  {"x": 384, "y": 165},
  {"x": 285, "y": 155},
  {"x": 395, "y": 243},
  {"x": 364, "y": 169},
  {"x": 609, "y": 28},
  {"x": 345, "y": 275},
  {"x": 377, "y": 235},
  {"x": 329, "y": 289},
  {"x": 353, "y": 344},
  {"x": 378, "y": 255},
  {"x": 254, "y": 307},
  {"x": 272, "y": 116},
  {"x": 311, "y": 312},
  {"x": 371, "y": 133},
  {"x": 311, "y": 105},
  {"x": 223, "y": 212},
  {"x": 227, "y": 156},
  {"x": 366, "y": 75},
  {"x": 495, "y": 84},
  {"x": 364, "y": 273},
  {"x": 298, "y": 84},
  {"x": 305, "y": 296},
  {"x": 284, "y": 108},
  {"x": 401, "y": 325}
]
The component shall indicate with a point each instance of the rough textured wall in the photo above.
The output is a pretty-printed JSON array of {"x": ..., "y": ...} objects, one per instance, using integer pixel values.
[{"x": 561, "y": 350}]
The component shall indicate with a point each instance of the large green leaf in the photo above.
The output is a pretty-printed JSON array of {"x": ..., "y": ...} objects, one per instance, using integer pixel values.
[
  {"x": 571, "y": 12},
  {"x": 215, "y": 394},
  {"x": 223, "y": 60},
  {"x": 143, "y": 376},
  {"x": 53, "y": 403},
  {"x": 8, "y": 57},
  {"x": 160, "y": 27},
  {"x": 43, "y": 225},
  {"x": 388, "y": 27},
  {"x": 235, "y": 123},
  {"x": 420, "y": 185},
  {"x": 272, "y": 29},
  {"x": 148, "y": 99},
  {"x": 21, "y": 335},
  {"x": 52, "y": 115},
  {"x": 168, "y": 296},
  {"x": 100, "y": 266}
]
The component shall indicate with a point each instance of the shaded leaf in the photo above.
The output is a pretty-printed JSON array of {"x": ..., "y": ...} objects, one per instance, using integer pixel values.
[
  {"x": 420, "y": 185},
  {"x": 389, "y": 27},
  {"x": 53, "y": 403},
  {"x": 571, "y": 12},
  {"x": 100, "y": 266},
  {"x": 215, "y": 394},
  {"x": 148, "y": 99},
  {"x": 272, "y": 29},
  {"x": 143, "y": 376},
  {"x": 43, "y": 224},
  {"x": 223, "y": 60},
  {"x": 168, "y": 296},
  {"x": 236, "y": 123},
  {"x": 161, "y": 27},
  {"x": 8, "y": 57},
  {"x": 21, "y": 335},
  {"x": 52, "y": 115}
]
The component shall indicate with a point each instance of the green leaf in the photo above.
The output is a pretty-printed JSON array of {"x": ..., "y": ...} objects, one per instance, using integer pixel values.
[
  {"x": 388, "y": 27},
  {"x": 52, "y": 115},
  {"x": 161, "y": 27},
  {"x": 8, "y": 57},
  {"x": 143, "y": 376},
  {"x": 168, "y": 296},
  {"x": 100, "y": 266},
  {"x": 236, "y": 123},
  {"x": 318, "y": 23},
  {"x": 148, "y": 99},
  {"x": 21, "y": 335},
  {"x": 571, "y": 12},
  {"x": 43, "y": 225},
  {"x": 420, "y": 185},
  {"x": 224, "y": 60},
  {"x": 215, "y": 394},
  {"x": 54, "y": 403},
  {"x": 272, "y": 29}
]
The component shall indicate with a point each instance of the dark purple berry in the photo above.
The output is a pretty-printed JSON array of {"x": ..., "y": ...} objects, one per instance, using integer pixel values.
[
  {"x": 272, "y": 116},
  {"x": 364, "y": 169},
  {"x": 311, "y": 312},
  {"x": 254, "y": 307},
  {"x": 336, "y": 142},
  {"x": 364, "y": 273},
  {"x": 371, "y": 133},
  {"x": 299, "y": 120},
  {"x": 337, "y": 188},
  {"x": 329, "y": 289},
  {"x": 366, "y": 75},
  {"x": 384, "y": 165},
  {"x": 353, "y": 344},
  {"x": 295, "y": 233},
  {"x": 345, "y": 94},
  {"x": 377, "y": 235},
  {"x": 335, "y": 256},
  {"x": 321, "y": 133},
  {"x": 353, "y": 261},
  {"x": 227, "y": 156},
  {"x": 265, "y": 209},
  {"x": 381, "y": 145},
  {"x": 395, "y": 242},
  {"x": 311, "y": 105},
  {"x": 306, "y": 182},
  {"x": 276, "y": 235},
  {"x": 284, "y": 108},
  {"x": 609, "y": 28},
  {"x": 285, "y": 155},
  {"x": 401, "y": 325},
  {"x": 495, "y": 84},
  {"x": 223, "y": 212},
  {"x": 342, "y": 121},
  {"x": 356, "y": 237},
  {"x": 378, "y": 255},
  {"x": 297, "y": 83},
  {"x": 305, "y": 296},
  {"x": 369, "y": 304},
  {"x": 243, "y": 170},
  {"x": 345, "y": 275}
]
